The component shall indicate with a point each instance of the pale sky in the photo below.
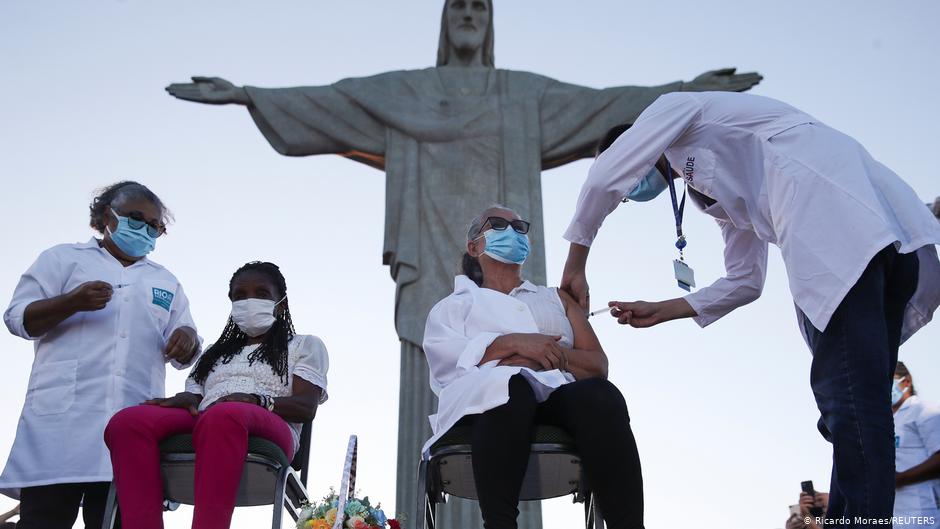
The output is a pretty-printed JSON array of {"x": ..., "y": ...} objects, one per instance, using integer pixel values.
[{"x": 724, "y": 417}]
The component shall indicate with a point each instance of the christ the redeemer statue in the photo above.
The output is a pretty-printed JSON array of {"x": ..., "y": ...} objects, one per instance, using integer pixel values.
[{"x": 452, "y": 140}]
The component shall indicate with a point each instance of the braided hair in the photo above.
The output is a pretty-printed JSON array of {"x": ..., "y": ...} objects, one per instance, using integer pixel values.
[{"x": 272, "y": 350}]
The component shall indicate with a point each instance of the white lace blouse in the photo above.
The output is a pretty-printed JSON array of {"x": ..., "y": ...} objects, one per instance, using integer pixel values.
[{"x": 307, "y": 359}]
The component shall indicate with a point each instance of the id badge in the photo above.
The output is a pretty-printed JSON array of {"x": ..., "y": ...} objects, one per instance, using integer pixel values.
[{"x": 684, "y": 275}]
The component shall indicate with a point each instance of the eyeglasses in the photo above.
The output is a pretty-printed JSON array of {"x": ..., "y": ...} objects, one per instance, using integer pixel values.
[
  {"x": 500, "y": 224},
  {"x": 136, "y": 221}
]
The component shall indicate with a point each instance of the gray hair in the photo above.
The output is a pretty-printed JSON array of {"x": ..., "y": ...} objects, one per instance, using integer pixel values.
[
  {"x": 470, "y": 265},
  {"x": 116, "y": 195},
  {"x": 477, "y": 223}
]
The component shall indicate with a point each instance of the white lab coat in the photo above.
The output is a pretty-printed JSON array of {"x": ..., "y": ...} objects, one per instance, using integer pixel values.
[
  {"x": 459, "y": 329},
  {"x": 778, "y": 176},
  {"x": 916, "y": 437},
  {"x": 90, "y": 365}
]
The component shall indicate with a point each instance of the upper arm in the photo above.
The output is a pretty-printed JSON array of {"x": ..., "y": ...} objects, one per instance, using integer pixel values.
[
  {"x": 317, "y": 120},
  {"x": 307, "y": 391},
  {"x": 745, "y": 256},
  {"x": 44, "y": 279},
  {"x": 312, "y": 366},
  {"x": 574, "y": 118},
  {"x": 619, "y": 170},
  {"x": 584, "y": 336}
]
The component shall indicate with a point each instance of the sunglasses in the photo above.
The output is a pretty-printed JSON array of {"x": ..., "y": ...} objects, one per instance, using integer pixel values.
[
  {"x": 500, "y": 224},
  {"x": 136, "y": 221}
]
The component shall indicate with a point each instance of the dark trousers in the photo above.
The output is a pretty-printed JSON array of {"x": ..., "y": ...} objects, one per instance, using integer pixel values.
[
  {"x": 853, "y": 365},
  {"x": 56, "y": 506},
  {"x": 594, "y": 413}
]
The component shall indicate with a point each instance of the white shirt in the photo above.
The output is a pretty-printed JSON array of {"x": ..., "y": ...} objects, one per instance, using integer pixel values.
[
  {"x": 916, "y": 437},
  {"x": 90, "y": 365},
  {"x": 306, "y": 358},
  {"x": 460, "y": 328},
  {"x": 779, "y": 176}
]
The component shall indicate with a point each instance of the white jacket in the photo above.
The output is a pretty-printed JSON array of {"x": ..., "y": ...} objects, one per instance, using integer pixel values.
[
  {"x": 778, "y": 176},
  {"x": 90, "y": 365},
  {"x": 460, "y": 328}
]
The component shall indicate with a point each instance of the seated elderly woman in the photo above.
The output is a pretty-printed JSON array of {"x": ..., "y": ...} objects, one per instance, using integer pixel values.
[
  {"x": 505, "y": 355},
  {"x": 258, "y": 379}
]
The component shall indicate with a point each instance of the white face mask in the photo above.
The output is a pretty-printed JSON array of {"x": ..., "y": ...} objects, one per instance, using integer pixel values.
[{"x": 254, "y": 316}]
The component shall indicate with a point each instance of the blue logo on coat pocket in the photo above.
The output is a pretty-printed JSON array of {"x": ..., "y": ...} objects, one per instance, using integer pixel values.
[{"x": 162, "y": 298}]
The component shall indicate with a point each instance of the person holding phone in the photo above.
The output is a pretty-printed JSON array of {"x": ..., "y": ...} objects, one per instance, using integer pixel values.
[{"x": 104, "y": 320}]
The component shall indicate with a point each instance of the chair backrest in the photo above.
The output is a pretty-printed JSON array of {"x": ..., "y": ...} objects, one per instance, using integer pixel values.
[{"x": 301, "y": 460}]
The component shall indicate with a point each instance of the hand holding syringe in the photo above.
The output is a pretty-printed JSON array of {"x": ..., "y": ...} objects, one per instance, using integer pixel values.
[{"x": 600, "y": 311}]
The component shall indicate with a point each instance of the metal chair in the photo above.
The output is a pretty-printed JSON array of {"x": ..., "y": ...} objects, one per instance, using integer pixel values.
[
  {"x": 268, "y": 477},
  {"x": 554, "y": 470}
]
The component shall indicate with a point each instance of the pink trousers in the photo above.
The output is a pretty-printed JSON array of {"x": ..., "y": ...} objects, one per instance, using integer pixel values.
[{"x": 220, "y": 436}]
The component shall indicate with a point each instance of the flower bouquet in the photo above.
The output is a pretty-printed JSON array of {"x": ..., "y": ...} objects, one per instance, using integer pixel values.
[{"x": 358, "y": 514}]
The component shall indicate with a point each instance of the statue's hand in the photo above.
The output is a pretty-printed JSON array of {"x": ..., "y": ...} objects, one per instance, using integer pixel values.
[
  {"x": 724, "y": 80},
  {"x": 210, "y": 90}
]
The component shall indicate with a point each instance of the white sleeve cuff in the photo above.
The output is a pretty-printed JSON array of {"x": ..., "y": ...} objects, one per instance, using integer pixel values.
[
  {"x": 578, "y": 234},
  {"x": 474, "y": 350},
  {"x": 702, "y": 318},
  {"x": 314, "y": 378},
  {"x": 14, "y": 321}
]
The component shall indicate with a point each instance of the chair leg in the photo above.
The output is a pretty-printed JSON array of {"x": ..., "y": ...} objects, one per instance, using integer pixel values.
[
  {"x": 589, "y": 511},
  {"x": 425, "y": 511},
  {"x": 295, "y": 488},
  {"x": 593, "y": 519},
  {"x": 110, "y": 508},
  {"x": 279, "y": 497},
  {"x": 598, "y": 518}
]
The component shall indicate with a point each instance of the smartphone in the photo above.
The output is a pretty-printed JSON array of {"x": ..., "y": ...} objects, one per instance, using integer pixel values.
[
  {"x": 807, "y": 487},
  {"x": 794, "y": 510}
]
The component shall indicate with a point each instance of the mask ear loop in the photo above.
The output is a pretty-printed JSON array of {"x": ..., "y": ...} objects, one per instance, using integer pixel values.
[
  {"x": 478, "y": 237},
  {"x": 278, "y": 315}
]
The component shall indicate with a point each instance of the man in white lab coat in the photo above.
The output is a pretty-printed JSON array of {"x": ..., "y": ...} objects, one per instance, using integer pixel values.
[{"x": 854, "y": 239}]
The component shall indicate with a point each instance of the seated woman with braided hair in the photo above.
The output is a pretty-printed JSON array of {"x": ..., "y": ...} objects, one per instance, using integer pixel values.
[
  {"x": 258, "y": 379},
  {"x": 505, "y": 355}
]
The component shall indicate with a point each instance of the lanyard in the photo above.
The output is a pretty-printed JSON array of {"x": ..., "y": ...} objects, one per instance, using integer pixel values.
[{"x": 678, "y": 208}]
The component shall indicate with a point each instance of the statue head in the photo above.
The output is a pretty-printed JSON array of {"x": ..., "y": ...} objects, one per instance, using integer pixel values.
[{"x": 466, "y": 30}]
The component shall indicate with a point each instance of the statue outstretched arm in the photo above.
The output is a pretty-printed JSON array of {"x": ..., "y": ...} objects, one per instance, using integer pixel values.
[
  {"x": 300, "y": 121},
  {"x": 574, "y": 118}
]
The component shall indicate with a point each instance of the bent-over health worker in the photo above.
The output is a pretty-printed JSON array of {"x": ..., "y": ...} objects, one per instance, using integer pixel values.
[
  {"x": 104, "y": 320},
  {"x": 857, "y": 243}
]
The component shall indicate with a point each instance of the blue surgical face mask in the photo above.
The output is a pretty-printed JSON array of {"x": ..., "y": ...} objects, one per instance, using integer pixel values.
[
  {"x": 650, "y": 187},
  {"x": 896, "y": 392},
  {"x": 507, "y": 246},
  {"x": 134, "y": 243}
]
